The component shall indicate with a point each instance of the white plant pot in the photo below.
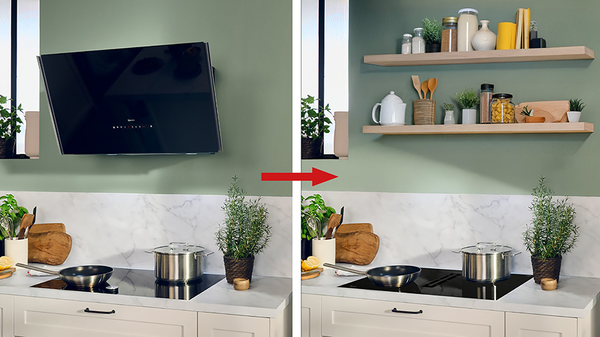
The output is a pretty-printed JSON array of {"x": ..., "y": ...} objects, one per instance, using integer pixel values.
[
  {"x": 449, "y": 117},
  {"x": 573, "y": 116},
  {"x": 469, "y": 116}
]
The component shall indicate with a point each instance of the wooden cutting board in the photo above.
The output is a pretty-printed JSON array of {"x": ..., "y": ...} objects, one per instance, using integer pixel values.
[
  {"x": 554, "y": 111},
  {"x": 354, "y": 227},
  {"x": 356, "y": 244},
  {"x": 48, "y": 244},
  {"x": 311, "y": 274}
]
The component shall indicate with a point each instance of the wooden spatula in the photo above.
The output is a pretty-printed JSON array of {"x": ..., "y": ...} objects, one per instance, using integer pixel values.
[
  {"x": 432, "y": 84},
  {"x": 417, "y": 84},
  {"x": 425, "y": 87},
  {"x": 26, "y": 221},
  {"x": 334, "y": 220}
]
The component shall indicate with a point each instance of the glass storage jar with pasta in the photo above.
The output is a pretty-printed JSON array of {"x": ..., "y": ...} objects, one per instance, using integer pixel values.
[
  {"x": 502, "y": 109},
  {"x": 467, "y": 27}
]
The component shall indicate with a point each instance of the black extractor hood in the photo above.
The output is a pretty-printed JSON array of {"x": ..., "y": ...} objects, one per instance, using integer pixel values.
[{"x": 133, "y": 101}]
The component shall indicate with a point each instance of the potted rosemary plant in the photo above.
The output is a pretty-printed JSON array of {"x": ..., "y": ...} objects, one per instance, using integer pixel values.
[
  {"x": 551, "y": 233},
  {"x": 10, "y": 125},
  {"x": 244, "y": 234},
  {"x": 315, "y": 213},
  {"x": 575, "y": 108},
  {"x": 432, "y": 34},
  {"x": 315, "y": 124},
  {"x": 468, "y": 99}
]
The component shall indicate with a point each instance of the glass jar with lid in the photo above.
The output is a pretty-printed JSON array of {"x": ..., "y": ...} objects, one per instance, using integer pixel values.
[
  {"x": 406, "y": 44},
  {"x": 468, "y": 24},
  {"x": 449, "y": 33},
  {"x": 418, "y": 44},
  {"x": 502, "y": 109}
]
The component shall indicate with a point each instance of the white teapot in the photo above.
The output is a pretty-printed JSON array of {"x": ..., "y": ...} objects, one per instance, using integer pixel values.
[{"x": 392, "y": 110}]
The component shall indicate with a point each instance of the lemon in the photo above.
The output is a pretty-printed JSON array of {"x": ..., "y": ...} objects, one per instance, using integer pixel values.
[
  {"x": 310, "y": 263},
  {"x": 5, "y": 262}
]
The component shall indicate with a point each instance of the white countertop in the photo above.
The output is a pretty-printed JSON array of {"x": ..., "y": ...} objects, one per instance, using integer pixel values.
[
  {"x": 267, "y": 296},
  {"x": 574, "y": 297}
]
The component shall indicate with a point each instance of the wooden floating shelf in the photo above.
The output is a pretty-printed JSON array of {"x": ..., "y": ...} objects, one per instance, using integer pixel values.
[
  {"x": 491, "y": 56},
  {"x": 466, "y": 129}
]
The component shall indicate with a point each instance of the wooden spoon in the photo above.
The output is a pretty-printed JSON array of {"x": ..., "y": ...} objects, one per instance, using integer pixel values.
[
  {"x": 432, "y": 84},
  {"x": 334, "y": 221},
  {"x": 417, "y": 84},
  {"x": 26, "y": 221},
  {"x": 425, "y": 87}
]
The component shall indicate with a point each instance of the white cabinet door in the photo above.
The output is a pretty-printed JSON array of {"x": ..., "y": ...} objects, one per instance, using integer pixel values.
[
  {"x": 221, "y": 325},
  {"x": 6, "y": 316},
  {"x": 311, "y": 315},
  {"x": 529, "y": 325},
  {"x": 49, "y": 317},
  {"x": 347, "y": 317}
]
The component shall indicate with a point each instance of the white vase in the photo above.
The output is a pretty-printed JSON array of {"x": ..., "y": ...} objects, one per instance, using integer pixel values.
[
  {"x": 573, "y": 116},
  {"x": 449, "y": 117},
  {"x": 469, "y": 116},
  {"x": 484, "y": 39}
]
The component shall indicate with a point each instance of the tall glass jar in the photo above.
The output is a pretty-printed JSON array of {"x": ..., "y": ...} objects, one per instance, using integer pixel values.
[
  {"x": 418, "y": 44},
  {"x": 449, "y": 33},
  {"x": 406, "y": 44},
  {"x": 503, "y": 109},
  {"x": 468, "y": 24},
  {"x": 487, "y": 90}
]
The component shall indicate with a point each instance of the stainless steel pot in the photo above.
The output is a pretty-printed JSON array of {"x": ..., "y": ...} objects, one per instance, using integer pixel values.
[
  {"x": 486, "y": 262},
  {"x": 179, "y": 262}
]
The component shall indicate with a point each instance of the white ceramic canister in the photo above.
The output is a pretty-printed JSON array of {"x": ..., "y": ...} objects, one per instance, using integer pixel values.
[
  {"x": 393, "y": 110},
  {"x": 467, "y": 27},
  {"x": 484, "y": 39}
]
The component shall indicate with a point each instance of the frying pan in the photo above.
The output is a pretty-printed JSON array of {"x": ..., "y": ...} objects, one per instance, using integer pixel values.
[
  {"x": 388, "y": 276},
  {"x": 80, "y": 277}
]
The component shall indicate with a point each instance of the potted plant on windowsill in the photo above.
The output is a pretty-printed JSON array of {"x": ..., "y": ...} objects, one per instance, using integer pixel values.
[
  {"x": 432, "y": 35},
  {"x": 575, "y": 108},
  {"x": 468, "y": 99},
  {"x": 551, "y": 233},
  {"x": 10, "y": 125},
  {"x": 244, "y": 233},
  {"x": 315, "y": 124},
  {"x": 315, "y": 213}
]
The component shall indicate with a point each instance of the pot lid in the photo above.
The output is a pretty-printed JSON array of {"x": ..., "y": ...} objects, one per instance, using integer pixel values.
[
  {"x": 391, "y": 98},
  {"x": 178, "y": 248},
  {"x": 486, "y": 248}
]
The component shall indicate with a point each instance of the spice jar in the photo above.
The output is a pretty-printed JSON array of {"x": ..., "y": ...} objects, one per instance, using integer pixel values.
[
  {"x": 449, "y": 33},
  {"x": 418, "y": 44},
  {"x": 502, "y": 109},
  {"x": 468, "y": 24},
  {"x": 406, "y": 43},
  {"x": 485, "y": 100}
]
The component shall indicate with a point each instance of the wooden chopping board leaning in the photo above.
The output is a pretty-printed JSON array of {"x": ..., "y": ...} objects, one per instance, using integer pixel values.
[
  {"x": 48, "y": 243},
  {"x": 356, "y": 243},
  {"x": 554, "y": 111}
]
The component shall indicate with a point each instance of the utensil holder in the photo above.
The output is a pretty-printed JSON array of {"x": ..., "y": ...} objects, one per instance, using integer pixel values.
[
  {"x": 324, "y": 250},
  {"x": 423, "y": 112},
  {"x": 17, "y": 250}
]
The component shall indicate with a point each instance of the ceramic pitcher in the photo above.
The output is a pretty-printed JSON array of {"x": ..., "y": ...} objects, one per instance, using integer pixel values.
[{"x": 392, "y": 110}]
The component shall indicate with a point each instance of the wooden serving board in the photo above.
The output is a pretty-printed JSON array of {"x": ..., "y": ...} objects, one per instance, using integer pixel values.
[
  {"x": 354, "y": 227},
  {"x": 355, "y": 243},
  {"x": 48, "y": 244},
  {"x": 311, "y": 274},
  {"x": 554, "y": 111}
]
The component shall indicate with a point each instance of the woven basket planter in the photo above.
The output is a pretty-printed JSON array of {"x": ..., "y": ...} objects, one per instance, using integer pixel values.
[
  {"x": 423, "y": 112},
  {"x": 545, "y": 268},
  {"x": 241, "y": 268}
]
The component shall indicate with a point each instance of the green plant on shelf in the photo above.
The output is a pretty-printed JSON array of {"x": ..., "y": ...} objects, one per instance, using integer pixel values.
[
  {"x": 314, "y": 121},
  {"x": 10, "y": 120},
  {"x": 448, "y": 106},
  {"x": 467, "y": 98},
  {"x": 432, "y": 31},
  {"x": 576, "y": 104},
  {"x": 526, "y": 111}
]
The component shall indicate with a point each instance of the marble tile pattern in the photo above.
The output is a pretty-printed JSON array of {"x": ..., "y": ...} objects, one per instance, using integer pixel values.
[
  {"x": 116, "y": 229},
  {"x": 425, "y": 229}
]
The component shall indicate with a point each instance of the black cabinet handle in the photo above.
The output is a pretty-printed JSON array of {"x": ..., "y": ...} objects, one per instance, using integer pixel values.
[
  {"x": 99, "y": 312},
  {"x": 407, "y": 312}
]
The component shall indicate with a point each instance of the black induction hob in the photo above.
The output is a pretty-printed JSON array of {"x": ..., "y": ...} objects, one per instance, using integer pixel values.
[
  {"x": 446, "y": 282},
  {"x": 140, "y": 282}
]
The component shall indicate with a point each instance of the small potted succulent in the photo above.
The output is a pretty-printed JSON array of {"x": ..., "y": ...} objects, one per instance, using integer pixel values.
[
  {"x": 432, "y": 34},
  {"x": 575, "y": 108},
  {"x": 468, "y": 99},
  {"x": 449, "y": 116},
  {"x": 551, "y": 234},
  {"x": 314, "y": 124},
  {"x": 529, "y": 118},
  {"x": 10, "y": 125}
]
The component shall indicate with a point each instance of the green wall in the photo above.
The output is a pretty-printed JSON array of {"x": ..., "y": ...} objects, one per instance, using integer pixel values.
[
  {"x": 250, "y": 44},
  {"x": 480, "y": 164}
]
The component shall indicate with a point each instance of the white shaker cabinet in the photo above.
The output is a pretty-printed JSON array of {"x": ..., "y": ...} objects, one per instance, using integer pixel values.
[
  {"x": 311, "y": 315},
  {"x": 349, "y": 317},
  {"x": 6, "y": 316},
  {"x": 43, "y": 317},
  {"x": 223, "y": 325},
  {"x": 529, "y": 325}
]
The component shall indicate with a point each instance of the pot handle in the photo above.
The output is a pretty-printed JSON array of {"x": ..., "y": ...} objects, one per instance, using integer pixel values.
[
  {"x": 513, "y": 254},
  {"x": 204, "y": 254},
  {"x": 457, "y": 251}
]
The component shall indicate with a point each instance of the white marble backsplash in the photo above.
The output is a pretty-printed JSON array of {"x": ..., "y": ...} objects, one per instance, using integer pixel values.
[
  {"x": 424, "y": 229},
  {"x": 117, "y": 228}
]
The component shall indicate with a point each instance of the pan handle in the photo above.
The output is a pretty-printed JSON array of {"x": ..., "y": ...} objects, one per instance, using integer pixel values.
[
  {"x": 407, "y": 312},
  {"x": 335, "y": 266},
  {"x": 26, "y": 266}
]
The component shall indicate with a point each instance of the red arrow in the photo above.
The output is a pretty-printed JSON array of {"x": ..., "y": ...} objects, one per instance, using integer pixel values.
[{"x": 316, "y": 176}]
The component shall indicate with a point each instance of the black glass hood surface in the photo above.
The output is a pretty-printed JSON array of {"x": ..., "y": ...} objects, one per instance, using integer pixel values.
[{"x": 141, "y": 100}]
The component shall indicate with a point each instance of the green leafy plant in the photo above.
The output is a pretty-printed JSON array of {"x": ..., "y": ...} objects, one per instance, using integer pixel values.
[
  {"x": 526, "y": 111},
  {"x": 10, "y": 214},
  {"x": 314, "y": 120},
  {"x": 448, "y": 106},
  {"x": 467, "y": 98},
  {"x": 552, "y": 232},
  {"x": 245, "y": 232},
  {"x": 314, "y": 214},
  {"x": 10, "y": 120},
  {"x": 576, "y": 104},
  {"x": 432, "y": 31}
]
